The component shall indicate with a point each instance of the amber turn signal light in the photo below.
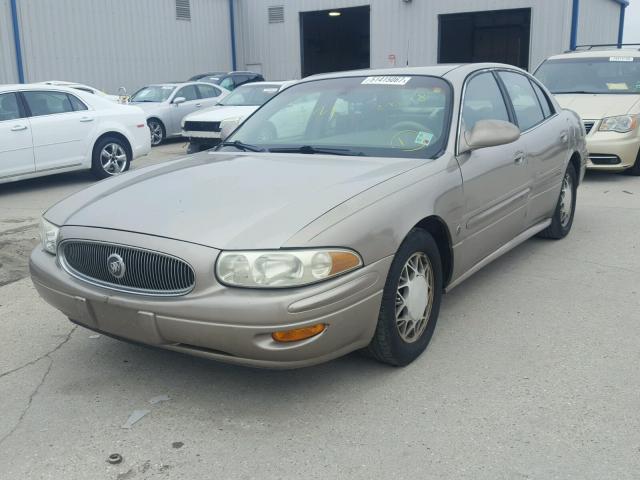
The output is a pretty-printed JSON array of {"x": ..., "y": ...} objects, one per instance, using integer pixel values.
[
  {"x": 298, "y": 334},
  {"x": 343, "y": 261}
]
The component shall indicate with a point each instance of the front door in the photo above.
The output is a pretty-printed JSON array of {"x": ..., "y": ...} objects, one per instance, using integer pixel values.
[
  {"x": 61, "y": 126},
  {"x": 495, "y": 179},
  {"x": 16, "y": 145},
  {"x": 192, "y": 102}
]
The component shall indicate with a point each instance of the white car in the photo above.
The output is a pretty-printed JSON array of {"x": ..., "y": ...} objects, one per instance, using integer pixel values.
[
  {"x": 46, "y": 130},
  {"x": 82, "y": 87},
  {"x": 166, "y": 104},
  {"x": 203, "y": 129}
]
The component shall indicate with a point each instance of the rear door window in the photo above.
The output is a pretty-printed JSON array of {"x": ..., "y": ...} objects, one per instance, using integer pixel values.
[
  {"x": 545, "y": 103},
  {"x": 525, "y": 102},
  {"x": 77, "y": 103},
  {"x": 48, "y": 103},
  {"x": 209, "y": 91},
  {"x": 190, "y": 92}
]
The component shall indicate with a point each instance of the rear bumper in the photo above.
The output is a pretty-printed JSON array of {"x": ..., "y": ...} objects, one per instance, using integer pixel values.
[
  {"x": 612, "y": 151},
  {"x": 226, "y": 324}
]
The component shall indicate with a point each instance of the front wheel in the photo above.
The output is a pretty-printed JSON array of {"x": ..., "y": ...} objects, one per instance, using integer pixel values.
[
  {"x": 156, "y": 129},
  {"x": 110, "y": 157},
  {"x": 562, "y": 219},
  {"x": 410, "y": 301},
  {"x": 635, "y": 170}
]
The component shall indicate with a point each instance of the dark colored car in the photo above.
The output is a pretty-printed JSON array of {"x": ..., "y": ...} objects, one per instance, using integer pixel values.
[{"x": 228, "y": 80}]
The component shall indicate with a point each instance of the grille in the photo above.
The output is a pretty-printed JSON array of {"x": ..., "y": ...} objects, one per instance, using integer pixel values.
[
  {"x": 202, "y": 126},
  {"x": 276, "y": 14},
  {"x": 183, "y": 10},
  {"x": 144, "y": 272},
  {"x": 588, "y": 126}
]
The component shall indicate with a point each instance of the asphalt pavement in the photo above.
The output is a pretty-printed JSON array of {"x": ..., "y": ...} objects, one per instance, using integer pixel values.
[{"x": 532, "y": 373}]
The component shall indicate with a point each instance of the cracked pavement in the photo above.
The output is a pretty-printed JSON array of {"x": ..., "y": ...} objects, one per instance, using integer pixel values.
[{"x": 532, "y": 373}]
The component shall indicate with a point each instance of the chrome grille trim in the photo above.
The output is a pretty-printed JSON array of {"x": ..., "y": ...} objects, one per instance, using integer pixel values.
[{"x": 148, "y": 272}]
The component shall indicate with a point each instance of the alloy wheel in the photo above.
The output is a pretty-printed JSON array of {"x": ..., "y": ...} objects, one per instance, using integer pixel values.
[
  {"x": 414, "y": 297},
  {"x": 113, "y": 159},
  {"x": 156, "y": 133},
  {"x": 566, "y": 200}
]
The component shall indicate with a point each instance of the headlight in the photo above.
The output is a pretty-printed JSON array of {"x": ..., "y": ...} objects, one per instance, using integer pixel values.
[
  {"x": 283, "y": 268},
  {"x": 621, "y": 124},
  {"x": 49, "y": 236}
]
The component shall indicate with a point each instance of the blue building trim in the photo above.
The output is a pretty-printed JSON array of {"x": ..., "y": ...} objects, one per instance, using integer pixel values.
[
  {"x": 575, "y": 15},
  {"x": 16, "y": 40},
  {"x": 623, "y": 8},
  {"x": 232, "y": 24}
]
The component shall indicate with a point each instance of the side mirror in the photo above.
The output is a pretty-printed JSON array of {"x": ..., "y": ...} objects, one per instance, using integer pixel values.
[
  {"x": 488, "y": 133},
  {"x": 227, "y": 127},
  {"x": 179, "y": 100}
]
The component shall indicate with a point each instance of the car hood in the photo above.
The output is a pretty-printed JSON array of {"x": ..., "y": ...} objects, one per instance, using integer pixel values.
[
  {"x": 227, "y": 200},
  {"x": 595, "y": 107},
  {"x": 219, "y": 113}
]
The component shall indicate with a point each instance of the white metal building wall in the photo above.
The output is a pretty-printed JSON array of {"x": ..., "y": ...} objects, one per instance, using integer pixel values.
[
  {"x": 598, "y": 22},
  {"x": 8, "y": 68},
  {"x": 410, "y": 30},
  {"x": 108, "y": 44}
]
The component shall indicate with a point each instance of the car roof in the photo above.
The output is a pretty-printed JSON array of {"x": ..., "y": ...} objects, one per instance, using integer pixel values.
[
  {"x": 277, "y": 83},
  {"x": 35, "y": 86},
  {"x": 598, "y": 53}
]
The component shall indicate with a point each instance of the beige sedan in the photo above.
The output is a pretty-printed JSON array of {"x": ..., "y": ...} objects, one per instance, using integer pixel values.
[{"x": 332, "y": 220}]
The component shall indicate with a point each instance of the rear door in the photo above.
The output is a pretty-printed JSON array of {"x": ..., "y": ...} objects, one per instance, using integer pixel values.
[
  {"x": 495, "y": 179},
  {"x": 61, "y": 125},
  {"x": 16, "y": 144},
  {"x": 545, "y": 140},
  {"x": 180, "y": 110},
  {"x": 209, "y": 94}
]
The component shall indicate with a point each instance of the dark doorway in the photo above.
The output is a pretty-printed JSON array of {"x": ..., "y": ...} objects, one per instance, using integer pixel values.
[
  {"x": 335, "y": 40},
  {"x": 495, "y": 36}
]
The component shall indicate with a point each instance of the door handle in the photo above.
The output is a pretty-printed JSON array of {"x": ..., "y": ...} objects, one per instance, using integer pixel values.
[
  {"x": 519, "y": 158},
  {"x": 564, "y": 137},
  {"x": 18, "y": 128},
  {"x": 86, "y": 119}
]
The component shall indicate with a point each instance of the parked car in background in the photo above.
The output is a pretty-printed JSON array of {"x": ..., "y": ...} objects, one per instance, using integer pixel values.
[
  {"x": 52, "y": 129},
  {"x": 330, "y": 221},
  {"x": 603, "y": 86},
  {"x": 228, "y": 80},
  {"x": 203, "y": 128},
  {"x": 81, "y": 87},
  {"x": 166, "y": 104}
]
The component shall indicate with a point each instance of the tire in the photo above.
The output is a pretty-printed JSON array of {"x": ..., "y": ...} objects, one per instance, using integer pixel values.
[
  {"x": 562, "y": 219},
  {"x": 111, "y": 157},
  {"x": 635, "y": 170},
  {"x": 157, "y": 131},
  {"x": 395, "y": 341}
]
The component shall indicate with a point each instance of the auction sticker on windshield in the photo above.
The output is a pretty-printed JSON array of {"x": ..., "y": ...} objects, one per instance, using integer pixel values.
[
  {"x": 621, "y": 59},
  {"x": 387, "y": 80}
]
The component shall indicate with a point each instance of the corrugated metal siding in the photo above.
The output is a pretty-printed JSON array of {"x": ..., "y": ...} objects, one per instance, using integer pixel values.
[
  {"x": 407, "y": 30},
  {"x": 598, "y": 22},
  {"x": 8, "y": 68},
  {"x": 122, "y": 42}
]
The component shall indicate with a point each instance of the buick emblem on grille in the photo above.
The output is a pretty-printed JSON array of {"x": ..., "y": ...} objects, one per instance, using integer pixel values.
[{"x": 116, "y": 265}]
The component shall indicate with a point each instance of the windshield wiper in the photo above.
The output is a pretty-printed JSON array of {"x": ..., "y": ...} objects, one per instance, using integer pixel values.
[
  {"x": 574, "y": 91},
  {"x": 245, "y": 147},
  {"x": 308, "y": 149}
]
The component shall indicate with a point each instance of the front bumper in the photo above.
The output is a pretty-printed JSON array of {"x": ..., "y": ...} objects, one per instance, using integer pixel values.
[
  {"x": 612, "y": 151},
  {"x": 213, "y": 321}
]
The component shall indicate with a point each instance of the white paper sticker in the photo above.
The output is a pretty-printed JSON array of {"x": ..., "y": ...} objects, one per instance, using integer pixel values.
[
  {"x": 386, "y": 80},
  {"x": 621, "y": 59},
  {"x": 270, "y": 90},
  {"x": 424, "y": 138}
]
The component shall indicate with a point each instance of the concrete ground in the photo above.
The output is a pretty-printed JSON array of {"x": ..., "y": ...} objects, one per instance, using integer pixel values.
[{"x": 532, "y": 373}]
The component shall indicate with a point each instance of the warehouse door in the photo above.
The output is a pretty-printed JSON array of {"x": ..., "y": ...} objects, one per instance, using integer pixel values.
[
  {"x": 495, "y": 36},
  {"x": 335, "y": 40}
]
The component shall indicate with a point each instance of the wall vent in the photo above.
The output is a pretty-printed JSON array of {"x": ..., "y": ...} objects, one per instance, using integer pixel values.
[
  {"x": 276, "y": 14},
  {"x": 183, "y": 10}
]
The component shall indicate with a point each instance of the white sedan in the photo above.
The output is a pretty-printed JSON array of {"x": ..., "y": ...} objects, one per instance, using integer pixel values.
[
  {"x": 52, "y": 129},
  {"x": 82, "y": 87}
]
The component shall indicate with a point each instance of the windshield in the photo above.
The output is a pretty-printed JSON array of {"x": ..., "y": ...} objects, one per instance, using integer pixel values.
[
  {"x": 393, "y": 116},
  {"x": 153, "y": 93},
  {"x": 250, "y": 95},
  {"x": 615, "y": 75}
]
